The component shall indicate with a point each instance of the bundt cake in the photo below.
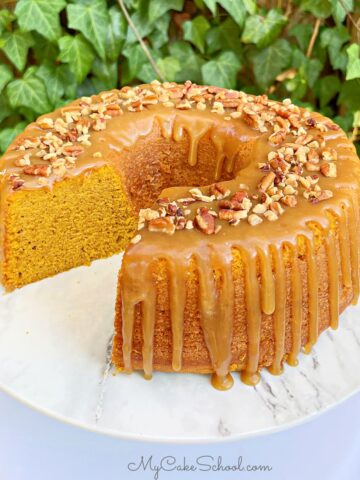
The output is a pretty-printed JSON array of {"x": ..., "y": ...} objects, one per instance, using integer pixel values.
[{"x": 239, "y": 215}]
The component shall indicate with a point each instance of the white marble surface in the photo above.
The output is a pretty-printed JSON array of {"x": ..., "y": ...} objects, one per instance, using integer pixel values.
[{"x": 54, "y": 340}]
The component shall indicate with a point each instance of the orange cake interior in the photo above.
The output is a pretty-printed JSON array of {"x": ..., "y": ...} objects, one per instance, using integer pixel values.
[{"x": 239, "y": 216}]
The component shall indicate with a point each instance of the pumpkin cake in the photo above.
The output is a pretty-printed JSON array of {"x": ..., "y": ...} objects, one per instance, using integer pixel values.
[{"x": 240, "y": 216}]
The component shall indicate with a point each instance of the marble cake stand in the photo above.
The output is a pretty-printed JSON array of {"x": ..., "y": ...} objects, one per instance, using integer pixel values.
[{"x": 55, "y": 342}]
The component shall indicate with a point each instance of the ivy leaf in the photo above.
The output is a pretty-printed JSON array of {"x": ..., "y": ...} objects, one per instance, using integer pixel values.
[
  {"x": 135, "y": 59},
  {"x": 236, "y": 9},
  {"x": 339, "y": 12},
  {"x": 41, "y": 16},
  {"x": 142, "y": 24},
  {"x": 5, "y": 109},
  {"x": 271, "y": 61},
  {"x": 224, "y": 37},
  {"x": 318, "y": 8},
  {"x": 309, "y": 68},
  {"x": 353, "y": 66},
  {"x": 43, "y": 49},
  {"x": 222, "y": 71},
  {"x": 302, "y": 32},
  {"x": 106, "y": 75},
  {"x": 263, "y": 30},
  {"x": 28, "y": 92},
  {"x": 190, "y": 62},
  {"x": 250, "y": 6},
  {"x": 327, "y": 88},
  {"x": 56, "y": 79},
  {"x": 6, "y": 17},
  {"x": 76, "y": 51},
  {"x": 211, "y": 5},
  {"x": 194, "y": 31},
  {"x": 333, "y": 39},
  {"x": 5, "y": 76},
  {"x": 92, "y": 20},
  {"x": 16, "y": 45},
  {"x": 169, "y": 66},
  {"x": 349, "y": 95},
  {"x": 157, "y": 8},
  {"x": 8, "y": 134},
  {"x": 159, "y": 36},
  {"x": 116, "y": 33}
]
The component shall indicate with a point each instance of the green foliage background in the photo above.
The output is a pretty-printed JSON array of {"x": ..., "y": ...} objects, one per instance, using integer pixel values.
[{"x": 52, "y": 51}]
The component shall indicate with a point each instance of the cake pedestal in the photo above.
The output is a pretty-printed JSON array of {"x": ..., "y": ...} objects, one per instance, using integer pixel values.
[{"x": 55, "y": 338}]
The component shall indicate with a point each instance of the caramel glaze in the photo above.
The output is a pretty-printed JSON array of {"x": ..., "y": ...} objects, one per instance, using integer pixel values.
[
  {"x": 239, "y": 149},
  {"x": 262, "y": 251}
]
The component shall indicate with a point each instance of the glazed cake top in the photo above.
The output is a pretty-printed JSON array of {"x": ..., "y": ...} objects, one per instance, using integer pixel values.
[{"x": 300, "y": 158}]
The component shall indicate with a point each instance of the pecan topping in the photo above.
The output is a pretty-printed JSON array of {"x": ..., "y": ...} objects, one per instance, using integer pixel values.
[
  {"x": 267, "y": 181},
  {"x": 162, "y": 225},
  {"x": 218, "y": 191},
  {"x": 73, "y": 150},
  {"x": 205, "y": 222},
  {"x": 41, "y": 170},
  {"x": 328, "y": 169}
]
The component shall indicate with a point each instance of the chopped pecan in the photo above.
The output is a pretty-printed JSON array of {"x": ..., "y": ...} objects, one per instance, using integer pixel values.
[
  {"x": 313, "y": 156},
  {"x": 186, "y": 201},
  {"x": 180, "y": 223},
  {"x": 229, "y": 215},
  {"x": 310, "y": 122},
  {"x": 289, "y": 200},
  {"x": 277, "y": 137},
  {"x": 270, "y": 215},
  {"x": 328, "y": 169},
  {"x": 254, "y": 219},
  {"x": 321, "y": 196},
  {"x": 147, "y": 214},
  {"x": 312, "y": 167},
  {"x": 205, "y": 222},
  {"x": 162, "y": 225},
  {"x": 16, "y": 182},
  {"x": 218, "y": 191},
  {"x": 46, "y": 123},
  {"x": 113, "y": 110},
  {"x": 267, "y": 181},
  {"x": 40, "y": 170},
  {"x": 329, "y": 154},
  {"x": 198, "y": 195},
  {"x": 73, "y": 150}
]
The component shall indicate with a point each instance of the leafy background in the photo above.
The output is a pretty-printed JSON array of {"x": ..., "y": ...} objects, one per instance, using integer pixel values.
[{"x": 52, "y": 51}]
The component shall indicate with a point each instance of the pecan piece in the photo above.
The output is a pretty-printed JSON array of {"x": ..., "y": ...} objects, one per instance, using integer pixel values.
[
  {"x": 73, "y": 150},
  {"x": 16, "y": 182},
  {"x": 162, "y": 225},
  {"x": 277, "y": 137},
  {"x": 329, "y": 154},
  {"x": 205, "y": 222},
  {"x": 289, "y": 200},
  {"x": 254, "y": 219},
  {"x": 230, "y": 215},
  {"x": 40, "y": 170},
  {"x": 328, "y": 169},
  {"x": 321, "y": 196},
  {"x": 46, "y": 123},
  {"x": 218, "y": 191},
  {"x": 113, "y": 110},
  {"x": 267, "y": 181}
]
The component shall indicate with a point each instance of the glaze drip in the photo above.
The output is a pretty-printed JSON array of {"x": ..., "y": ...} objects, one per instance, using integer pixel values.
[{"x": 275, "y": 263}]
